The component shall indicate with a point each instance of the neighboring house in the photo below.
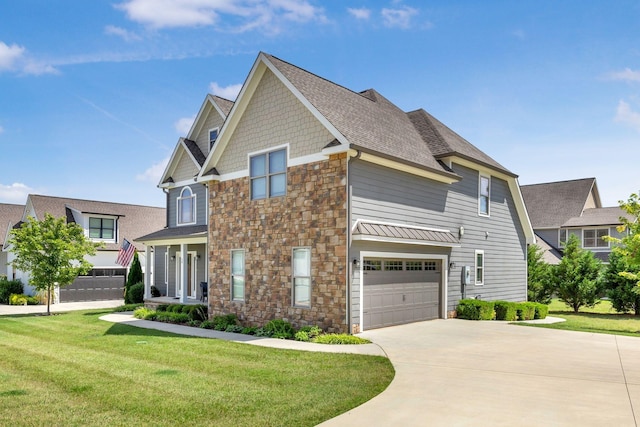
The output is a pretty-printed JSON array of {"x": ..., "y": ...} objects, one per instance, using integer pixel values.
[
  {"x": 336, "y": 208},
  {"x": 560, "y": 209},
  {"x": 109, "y": 223},
  {"x": 9, "y": 216},
  {"x": 184, "y": 236}
]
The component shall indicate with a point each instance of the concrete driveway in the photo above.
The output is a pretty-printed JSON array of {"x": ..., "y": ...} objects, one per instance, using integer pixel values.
[{"x": 465, "y": 373}]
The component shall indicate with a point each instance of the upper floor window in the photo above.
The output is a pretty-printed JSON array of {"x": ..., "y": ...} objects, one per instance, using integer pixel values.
[
  {"x": 268, "y": 173},
  {"x": 186, "y": 207},
  {"x": 102, "y": 228},
  {"x": 213, "y": 135},
  {"x": 594, "y": 238},
  {"x": 484, "y": 195},
  {"x": 479, "y": 267},
  {"x": 562, "y": 237}
]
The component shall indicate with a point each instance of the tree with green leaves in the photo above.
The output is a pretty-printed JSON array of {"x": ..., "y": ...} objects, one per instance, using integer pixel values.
[
  {"x": 622, "y": 291},
  {"x": 577, "y": 278},
  {"x": 539, "y": 284},
  {"x": 629, "y": 245},
  {"x": 51, "y": 251},
  {"x": 135, "y": 276}
]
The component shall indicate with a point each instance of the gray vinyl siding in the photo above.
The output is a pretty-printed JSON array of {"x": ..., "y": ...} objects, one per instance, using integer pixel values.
[
  {"x": 158, "y": 276},
  {"x": 549, "y": 236},
  {"x": 201, "y": 204},
  {"x": 200, "y": 267},
  {"x": 386, "y": 195}
]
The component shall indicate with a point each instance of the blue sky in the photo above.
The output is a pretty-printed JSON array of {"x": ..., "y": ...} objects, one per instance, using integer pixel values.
[{"x": 95, "y": 94}]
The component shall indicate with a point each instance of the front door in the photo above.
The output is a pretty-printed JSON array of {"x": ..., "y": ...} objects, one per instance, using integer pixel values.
[{"x": 192, "y": 280}]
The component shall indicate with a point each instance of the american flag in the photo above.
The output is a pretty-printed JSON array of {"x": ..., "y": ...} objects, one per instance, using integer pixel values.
[{"x": 126, "y": 253}]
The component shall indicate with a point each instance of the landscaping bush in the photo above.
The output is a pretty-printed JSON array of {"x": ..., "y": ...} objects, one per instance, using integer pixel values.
[
  {"x": 234, "y": 328},
  {"x": 526, "y": 310},
  {"x": 17, "y": 299},
  {"x": 155, "y": 293},
  {"x": 145, "y": 314},
  {"x": 220, "y": 323},
  {"x": 135, "y": 294},
  {"x": 8, "y": 287},
  {"x": 162, "y": 307},
  {"x": 541, "y": 311},
  {"x": 127, "y": 307},
  {"x": 505, "y": 310},
  {"x": 207, "y": 324},
  {"x": 278, "y": 328},
  {"x": 339, "y": 339},
  {"x": 198, "y": 312},
  {"x": 307, "y": 333},
  {"x": 472, "y": 309},
  {"x": 249, "y": 330},
  {"x": 169, "y": 317}
]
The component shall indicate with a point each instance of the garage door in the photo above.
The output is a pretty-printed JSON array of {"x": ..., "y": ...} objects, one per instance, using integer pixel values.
[
  {"x": 97, "y": 285},
  {"x": 398, "y": 291}
]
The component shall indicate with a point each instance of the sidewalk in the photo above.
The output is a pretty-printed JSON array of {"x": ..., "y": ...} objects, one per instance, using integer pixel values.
[{"x": 58, "y": 308}]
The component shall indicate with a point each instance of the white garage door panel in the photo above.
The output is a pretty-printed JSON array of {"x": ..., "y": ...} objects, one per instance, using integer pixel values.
[{"x": 400, "y": 296}]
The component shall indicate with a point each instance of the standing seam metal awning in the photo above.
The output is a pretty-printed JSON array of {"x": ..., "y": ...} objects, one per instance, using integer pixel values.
[{"x": 403, "y": 234}]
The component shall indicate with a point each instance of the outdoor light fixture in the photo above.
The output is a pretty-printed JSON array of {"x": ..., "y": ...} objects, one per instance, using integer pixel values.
[
  {"x": 452, "y": 265},
  {"x": 356, "y": 262},
  {"x": 173, "y": 257},
  {"x": 461, "y": 231}
]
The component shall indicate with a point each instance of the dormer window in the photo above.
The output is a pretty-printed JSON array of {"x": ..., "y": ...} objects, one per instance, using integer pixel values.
[
  {"x": 102, "y": 228},
  {"x": 186, "y": 207},
  {"x": 213, "y": 135}
]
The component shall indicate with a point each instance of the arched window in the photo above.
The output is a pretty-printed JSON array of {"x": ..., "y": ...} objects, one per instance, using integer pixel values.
[{"x": 186, "y": 207}]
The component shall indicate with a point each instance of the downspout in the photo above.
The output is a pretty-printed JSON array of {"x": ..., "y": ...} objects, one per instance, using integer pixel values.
[{"x": 350, "y": 267}]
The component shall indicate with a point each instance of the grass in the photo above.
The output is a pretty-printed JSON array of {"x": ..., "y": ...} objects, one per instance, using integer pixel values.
[
  {"x": 602, "y": 319},
  {"x": 73, "y": 369}
]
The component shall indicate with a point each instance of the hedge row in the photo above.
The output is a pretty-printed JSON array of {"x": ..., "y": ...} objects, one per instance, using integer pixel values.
[{"x": 472, "y": 309}]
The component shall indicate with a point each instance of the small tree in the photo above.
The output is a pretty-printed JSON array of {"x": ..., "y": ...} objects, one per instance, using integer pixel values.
[
  {"x": 576, "y": 278},
  {"x": 629, "y": 245},
  {"x": 134, "y": 277},
  {"x": 539, "y": 285},
  {"x": 622, "y": 290},
  {"x": 52, "y": 251}
]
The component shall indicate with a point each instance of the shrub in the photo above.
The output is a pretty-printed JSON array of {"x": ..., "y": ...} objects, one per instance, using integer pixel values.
[
  {"x": 17, "y": 299},
  {"x": 220, "y": 323},
  {"x": 162, "y": 307},
  {"x": 32, "y": 300},
  {"x": 262, "y": 332},
  {"x": 339, "y": 339},
  {"x": 505, "y": 310},
  {"x": 198, "y": 312},
  {"x": 249, "y": 330},
  {"x": 194, "y": 323},
  {"x": 302, "y": 336},
  {"x": 135, "y": 294},
  {"x": 169, "y": 317},
  {"x": 234, "y": 328},
  {"x": 307, "y": 333},
  {"x": 155, "y": 292},
  {"x": 541, "y": 311},
  {"x": 278, "y": 328},
  {"x": 472, "y": 309},
  {"x": 526, "y": 310},
  {"x": 207, "y": 324},
  {"x": 127, "y": 307},
  {"x": 145, "y": 314},
  {"x": 8, "y": 287}
]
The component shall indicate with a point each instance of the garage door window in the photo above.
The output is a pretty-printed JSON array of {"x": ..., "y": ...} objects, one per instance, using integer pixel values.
[
  {"x": 413, "y": 265},
  {"x": 372, "y": 265},
  {"x": 302, "y": 277},
  {"x": 393, "y": 265}
]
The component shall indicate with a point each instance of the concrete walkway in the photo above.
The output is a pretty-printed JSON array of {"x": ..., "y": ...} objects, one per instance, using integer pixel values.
[
  {"x": 464, "y": 373},
  {"x": 58, "y": 308}
]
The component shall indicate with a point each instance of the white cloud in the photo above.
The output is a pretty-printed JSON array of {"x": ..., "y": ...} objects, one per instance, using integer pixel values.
[
  {"x": 153, "y": 172},
  {"x": 228, "y": 92},
  {"x": 625, "y": 115},
  {"x": 400, "y": 18},
  {"x": 361, "y": 13},
  {"x": 239, "y": 15},
  {"x": 627, "y": 75},
  {"x": 14, "y": 193},
  {"x": 14, "y": 58},
  {"x": 126, "y": 35},
  {"x": 183, "y": 125}
]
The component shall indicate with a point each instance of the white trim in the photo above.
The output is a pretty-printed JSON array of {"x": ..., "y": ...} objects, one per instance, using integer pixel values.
[
  {"x": 210, "y": 145},
  {"x": 267, "y": 153},
  {"x": 178, "y": 184},
  {"x": 244, "y": 275},
  {"x": 488, "y": 178},
  {"x": 444, "y": 286},
  {"x": 404, "y": 241},
  {"x": 475, "y": 268},
  {"x": 194, "y": 274},
  {"x": 596, "y": 237},
  {"x": 293, "y": 277},
  {"x": 166, "y": 266},
  {"x": 566, "y": 237}
]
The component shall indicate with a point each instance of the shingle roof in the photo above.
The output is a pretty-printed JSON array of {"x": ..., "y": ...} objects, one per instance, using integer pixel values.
[
  {"x": 442, "y": 141},
  {"x": 367, "y": 120},
  {"x": 224, "y": 104},
  {"x": 10, "y": 214},
  {"x": 551, "y": 204},
  {"x": 195, "y": 151},
  {"x": 598, "y": 216},
  {"x": 550, "y": 255},
  {"x": 175, "y": 233},
  {"x": 135, "y": 220}
]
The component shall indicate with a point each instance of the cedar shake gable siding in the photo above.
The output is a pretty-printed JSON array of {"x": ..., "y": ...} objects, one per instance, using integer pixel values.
[{"x": 312, "y": 214}]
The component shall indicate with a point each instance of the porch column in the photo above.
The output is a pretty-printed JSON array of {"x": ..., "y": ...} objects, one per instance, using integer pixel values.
[
  {"x": 183, "y": 272},
  {"x": 147, "y": 272}
]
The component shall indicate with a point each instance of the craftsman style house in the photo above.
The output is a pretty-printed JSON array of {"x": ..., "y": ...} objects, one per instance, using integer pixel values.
[
  {"x": 184, "y": 236},
  {"x": 564, "y": 208},
  {"x": 336, "y": 208},
  {"x": 105, "y": 222}
]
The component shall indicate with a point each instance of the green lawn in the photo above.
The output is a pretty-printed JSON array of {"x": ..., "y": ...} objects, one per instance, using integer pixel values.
[
  {"x": 600, "y": 319},
  {"x": 74, "y": 369}
]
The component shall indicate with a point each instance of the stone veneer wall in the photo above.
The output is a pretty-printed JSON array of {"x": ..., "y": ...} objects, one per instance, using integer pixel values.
[{"x": 312, "y": 214}]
